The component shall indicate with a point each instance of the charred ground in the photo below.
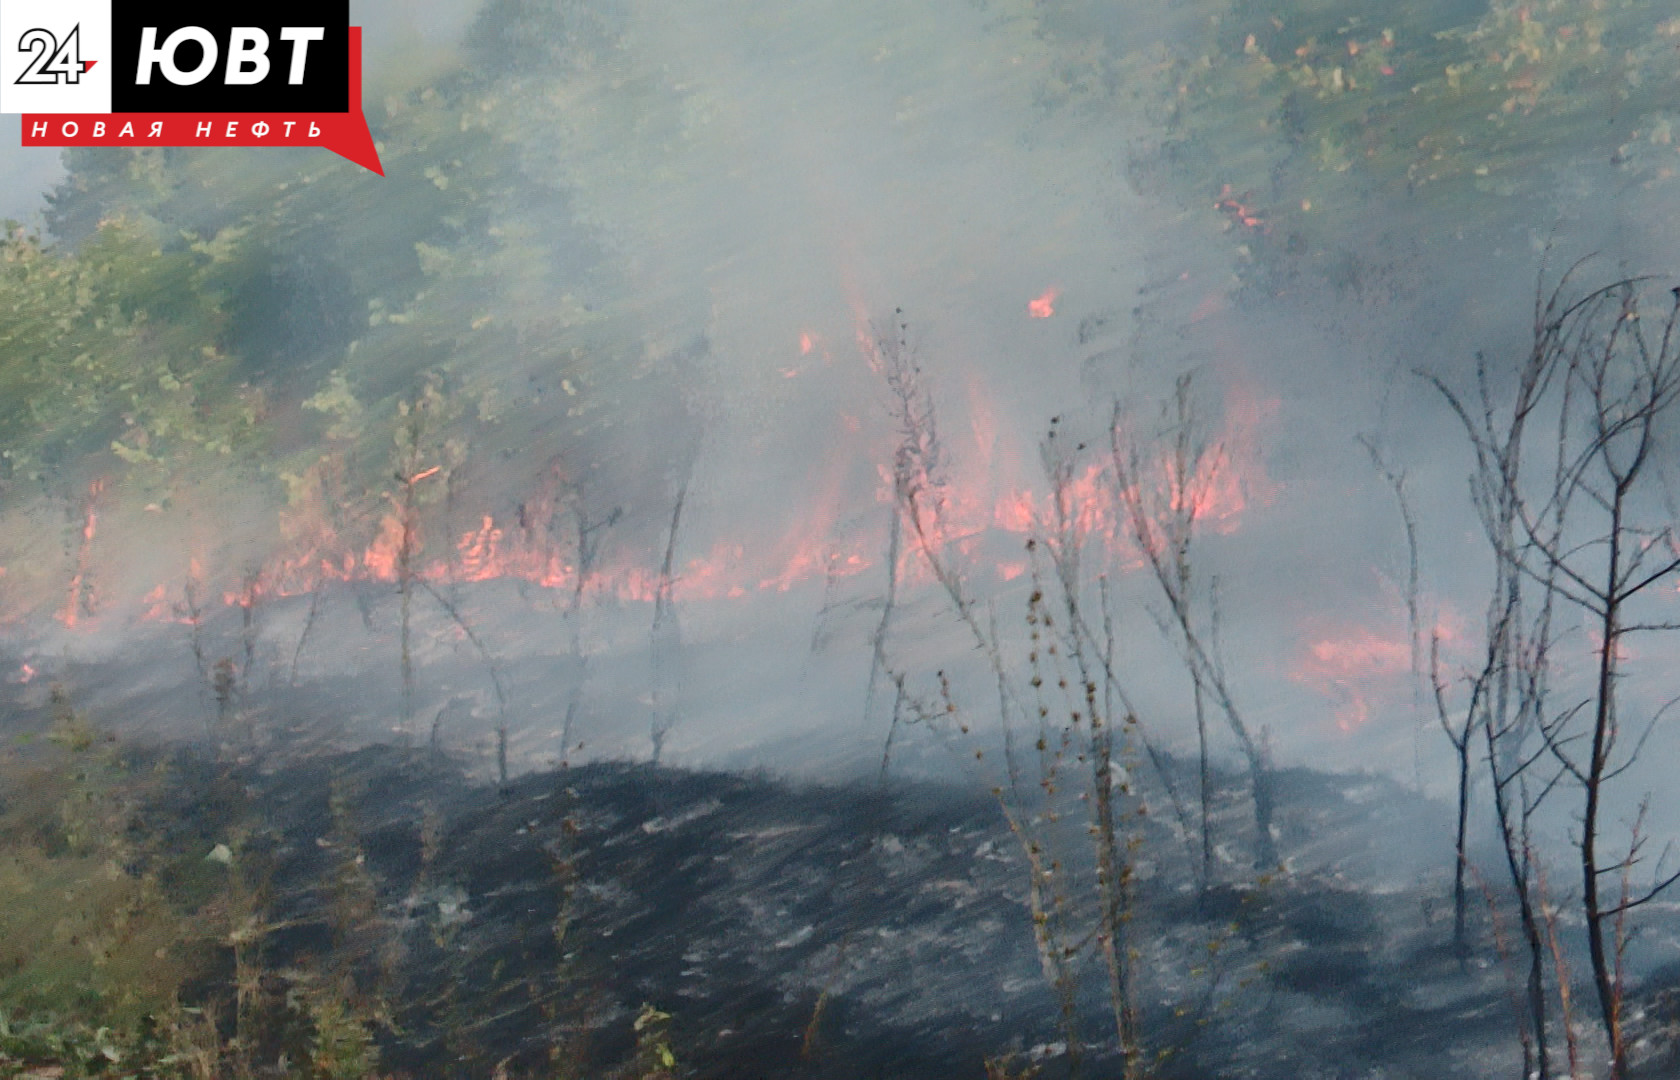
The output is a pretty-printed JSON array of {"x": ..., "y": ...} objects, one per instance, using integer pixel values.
[{"x": 785, "y": 929}]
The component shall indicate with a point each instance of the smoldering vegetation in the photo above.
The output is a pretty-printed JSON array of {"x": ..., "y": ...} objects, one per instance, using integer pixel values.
[{"x": 1009, "y": 538}]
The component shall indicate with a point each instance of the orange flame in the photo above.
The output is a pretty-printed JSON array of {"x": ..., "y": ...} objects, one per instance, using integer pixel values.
[
  {"x": 1352, "y": 664},
  {"x": 1357, "y": 665},
  {"x": 987, "y": 506},
  {"x": 1239, "y": 212},
  {"x": 158, "y": 607},
  {"x": 78, "y": 597},
  {"x": 1043, "y": 305},
  {"x": 382, "y": 556},
  {"x": 986, "y": 495}
]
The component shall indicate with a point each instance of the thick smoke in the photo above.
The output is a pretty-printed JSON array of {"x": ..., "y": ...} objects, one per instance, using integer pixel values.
[{"x": 754, "y": 195}]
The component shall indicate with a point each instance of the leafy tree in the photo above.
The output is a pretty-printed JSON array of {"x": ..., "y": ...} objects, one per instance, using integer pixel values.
[
  {"x": 1306, "y": 126},
  {"x": 114, "y": 348},
  {"x": 195, "y": 307}
]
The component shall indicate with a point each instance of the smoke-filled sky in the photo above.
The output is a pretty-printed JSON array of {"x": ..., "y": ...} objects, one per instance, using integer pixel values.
[{"x": 839, "y": 161}]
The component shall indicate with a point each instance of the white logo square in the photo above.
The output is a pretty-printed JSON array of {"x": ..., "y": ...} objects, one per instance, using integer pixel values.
[{"x": 55, "y": 56}]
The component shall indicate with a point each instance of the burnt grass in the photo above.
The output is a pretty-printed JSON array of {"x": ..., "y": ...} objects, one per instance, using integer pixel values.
[{"x": 800, "y": 930}]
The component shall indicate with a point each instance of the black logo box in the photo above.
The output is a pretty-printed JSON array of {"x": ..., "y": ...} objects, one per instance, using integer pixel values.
[{"x": 326, "y": 77}]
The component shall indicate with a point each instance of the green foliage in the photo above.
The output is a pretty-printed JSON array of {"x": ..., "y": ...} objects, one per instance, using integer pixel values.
[
  {"x": 114, "y": 347},
  {"x": 343, "y": 1046},
  {"x": 35, "y": 1046},
  {"x": 143, "y": 910},
  {"x": 654, "y": 1057},
  {"x": 1303, "y": 122},
  {"x": 88, "y": 931},
  {"x": 273, "y": 323}
]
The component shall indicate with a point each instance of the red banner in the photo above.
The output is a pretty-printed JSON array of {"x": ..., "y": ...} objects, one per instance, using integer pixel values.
[{"x": 345, "y": 134}]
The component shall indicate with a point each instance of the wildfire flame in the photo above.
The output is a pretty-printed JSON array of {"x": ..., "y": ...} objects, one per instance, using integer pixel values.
[
  {"x": 990, "y": 500},
  {"x": 1349, "y": 666},
  {"x": 984, "y": 507},
  {"x": 1360, "y": 665},
  {"x": 79, "y": 597},
  {"x": 159, "y": 608},
  {"x": 814, "y": 548},
  {"x": 1240, "y": 213},
  {"x": 1043, "y": 305}
]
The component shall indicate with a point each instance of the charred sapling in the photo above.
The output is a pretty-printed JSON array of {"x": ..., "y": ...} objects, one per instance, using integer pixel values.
[
  {"x": 1161, "y": 508},
  {"x": 1585, "y": 527},
  {"x": 224, "y": 684},
  {"x": 422, "y": 460},
  {"x": 666, "y": 635}
]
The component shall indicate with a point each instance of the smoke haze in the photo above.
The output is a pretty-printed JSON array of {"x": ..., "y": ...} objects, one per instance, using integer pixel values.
[{"x": 752, "y": 192}]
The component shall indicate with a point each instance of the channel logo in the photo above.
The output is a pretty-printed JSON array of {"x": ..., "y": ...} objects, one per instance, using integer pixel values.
[{"x": 131, "y": 73}]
